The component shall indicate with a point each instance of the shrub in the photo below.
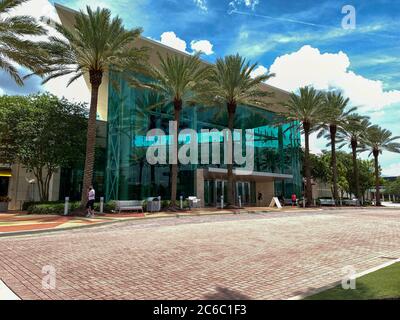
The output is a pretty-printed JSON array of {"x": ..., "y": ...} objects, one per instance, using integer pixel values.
[
  {"x": 5, "y": 199},
  {"x": 57, "y": 207}
]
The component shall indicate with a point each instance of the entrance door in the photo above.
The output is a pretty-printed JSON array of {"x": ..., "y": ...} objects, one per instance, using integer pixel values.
[
  {"x": 243, "y": 189},
  {"x": 4, "y": 186},
  {"x": 220, "y": 190}
]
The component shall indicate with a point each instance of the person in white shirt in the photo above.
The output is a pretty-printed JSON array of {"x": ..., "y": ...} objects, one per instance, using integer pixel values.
[{"x": 90, "y": 203}]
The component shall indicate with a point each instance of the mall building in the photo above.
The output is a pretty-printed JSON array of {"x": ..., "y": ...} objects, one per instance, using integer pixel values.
[{"x": 125, "y": 117}]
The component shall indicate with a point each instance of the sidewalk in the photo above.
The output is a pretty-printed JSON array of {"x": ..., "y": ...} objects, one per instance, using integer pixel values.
[{"x": 21, "y": 222}]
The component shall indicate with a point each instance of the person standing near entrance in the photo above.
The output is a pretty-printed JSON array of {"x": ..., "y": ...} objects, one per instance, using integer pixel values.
[
  {"x": 260, "y": 198},
  {"x": 294, "y": 200},
  {"x": 90, "y": 203}
]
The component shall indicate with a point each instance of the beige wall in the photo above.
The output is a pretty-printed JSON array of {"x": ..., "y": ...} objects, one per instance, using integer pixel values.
[
  {"x": 199, "y": 185},
  {"x": 19, "y": 189},
  {"x": 268, "y": 191}
]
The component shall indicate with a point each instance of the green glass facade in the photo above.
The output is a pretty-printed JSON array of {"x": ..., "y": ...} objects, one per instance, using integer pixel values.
[{"x": 131, "y": 114}]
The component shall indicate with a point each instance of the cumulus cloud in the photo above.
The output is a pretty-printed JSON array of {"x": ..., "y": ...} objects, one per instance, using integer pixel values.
[
  {"x": 324, "y": 71},
  {"x": 391, "y": 170},
  {"x": 170, "y": 39},
  {"x": 78, "y": 91},
  {"x": 204, "y": 46},
  {"x": 259, "y": 71}
]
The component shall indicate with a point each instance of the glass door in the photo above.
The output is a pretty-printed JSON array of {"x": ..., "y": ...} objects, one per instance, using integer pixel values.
[
  {"x": 243, "y": 189},
  {"x": 220, "y": 189}
]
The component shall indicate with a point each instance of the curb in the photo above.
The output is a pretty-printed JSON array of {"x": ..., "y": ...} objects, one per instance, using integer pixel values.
[
  {"x": 336, "y": 283},
  {"x": 6, "y": 294},
  {"x": 100, "y": 224}
]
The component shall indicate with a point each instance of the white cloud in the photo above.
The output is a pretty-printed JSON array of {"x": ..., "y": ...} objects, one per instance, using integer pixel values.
[
  {"x": 204, "y": 46},
  {"x": 171, "y": 40},
  {"x": 235, "y": 4},
  {"x": 392, "y": 170},
  {"x": 78, "y": 91},
  {"x": 259, "y": 71},
  {"x": 308, "y": 66},
  {"x": 202, "y": 4}
]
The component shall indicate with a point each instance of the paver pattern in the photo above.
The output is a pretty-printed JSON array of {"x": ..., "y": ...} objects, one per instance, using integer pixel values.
[{"x": 253, "y": 256}]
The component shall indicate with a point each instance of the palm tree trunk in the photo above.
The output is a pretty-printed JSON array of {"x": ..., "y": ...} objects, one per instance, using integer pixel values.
[
  {"x": 174, "y": 166},
  {"x": 355, "y": 168},
  {"x": 377, "y": 180},
  {"x": 230, "y": 201},
  {"x": 307, "y": 168},
  {"x": 95, "y": 81},
  {"x": 333, "y": 130}
]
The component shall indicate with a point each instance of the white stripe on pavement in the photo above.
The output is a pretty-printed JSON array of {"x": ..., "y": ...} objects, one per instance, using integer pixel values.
[{"x": 6, "y": 293}]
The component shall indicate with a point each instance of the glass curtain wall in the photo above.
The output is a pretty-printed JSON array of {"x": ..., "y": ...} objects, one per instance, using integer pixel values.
[{"x": 133, "y": 112}]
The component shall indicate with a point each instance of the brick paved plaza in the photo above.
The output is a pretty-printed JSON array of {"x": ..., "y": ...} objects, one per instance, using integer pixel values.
[{"x": 256, "y": 256}]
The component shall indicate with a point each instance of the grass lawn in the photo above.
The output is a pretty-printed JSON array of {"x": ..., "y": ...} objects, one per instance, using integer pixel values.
[{"x": 381, "y": 284}]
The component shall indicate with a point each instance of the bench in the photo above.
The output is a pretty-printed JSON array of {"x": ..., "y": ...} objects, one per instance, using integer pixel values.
[
  {"x": 131, "y": 205},
  {"x": 327, "y": 202},
  {"x": 351, "y": 202}
]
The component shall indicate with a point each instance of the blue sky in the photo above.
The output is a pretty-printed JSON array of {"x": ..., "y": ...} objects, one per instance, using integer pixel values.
[{"x": 302, "y": 41}]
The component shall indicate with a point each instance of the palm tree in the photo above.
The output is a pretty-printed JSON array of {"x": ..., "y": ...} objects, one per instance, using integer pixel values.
[
  {"x": 13, "y": 48},
  {"x": 335, "y": 115},
  {"x": 376, "y": 140},
  {"x": 96, "y": 44},
  {"x": 350, "y": 133},
  {"x": 176, "y": 80},
  {"x": 230, "y": 84},
  {"x": 306, "y": 108}
]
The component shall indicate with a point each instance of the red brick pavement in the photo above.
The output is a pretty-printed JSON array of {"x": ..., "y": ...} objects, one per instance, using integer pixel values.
[{"x": 257, "y": 256}]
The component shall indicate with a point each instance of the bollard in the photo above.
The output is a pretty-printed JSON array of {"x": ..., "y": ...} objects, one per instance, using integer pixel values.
[
  {"x": 181, "y": 202},
  {"x": 66, "y": 206},
  {"x": 101, "y": 204},
  {"x": 304, "y": 202},
  {"x": 240, "y": 201},
  {"x": 222, "y": 202}
]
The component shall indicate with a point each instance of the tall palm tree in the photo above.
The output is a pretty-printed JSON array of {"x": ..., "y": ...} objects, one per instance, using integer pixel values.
[
  {"x": 96, "y": 44},
  {"x": 176, "y": 80},
  {"x": 13, "y": 46},
  {"x": 307, "y": 108},
  {"x": 335, "y": 115},
  {"x": 350, "y": 133},
  {"x": 376, "y": 140},
  {"x": 230, "y": 84}
]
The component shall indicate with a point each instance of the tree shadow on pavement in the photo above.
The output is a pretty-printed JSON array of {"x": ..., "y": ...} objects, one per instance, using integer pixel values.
[{"x": 226, "y": 294}]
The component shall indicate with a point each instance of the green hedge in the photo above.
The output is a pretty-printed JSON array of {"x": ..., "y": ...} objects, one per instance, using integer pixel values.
[{"x": 58, "y": 207}]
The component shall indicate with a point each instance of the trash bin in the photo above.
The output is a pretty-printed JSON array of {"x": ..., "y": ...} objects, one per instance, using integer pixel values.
[{"x": 153, "y": 204}]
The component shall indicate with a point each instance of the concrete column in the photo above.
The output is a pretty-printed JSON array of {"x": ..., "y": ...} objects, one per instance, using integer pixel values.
[{"x": 199, "y": 185}]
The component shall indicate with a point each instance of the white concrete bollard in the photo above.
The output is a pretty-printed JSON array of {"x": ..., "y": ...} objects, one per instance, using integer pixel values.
[
  {"x": 101, "y": 204},
  {"x": 222, "y": 202},
  {"x": 240, "y": 201},
  {"x": 181, "y": 202},
  {"x": 66, "y": 206}
]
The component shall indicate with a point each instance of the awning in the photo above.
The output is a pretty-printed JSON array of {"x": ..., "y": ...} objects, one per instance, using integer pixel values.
[
  {"x": 5, "y": 173},
  {"x": 251, "y": 175}
]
